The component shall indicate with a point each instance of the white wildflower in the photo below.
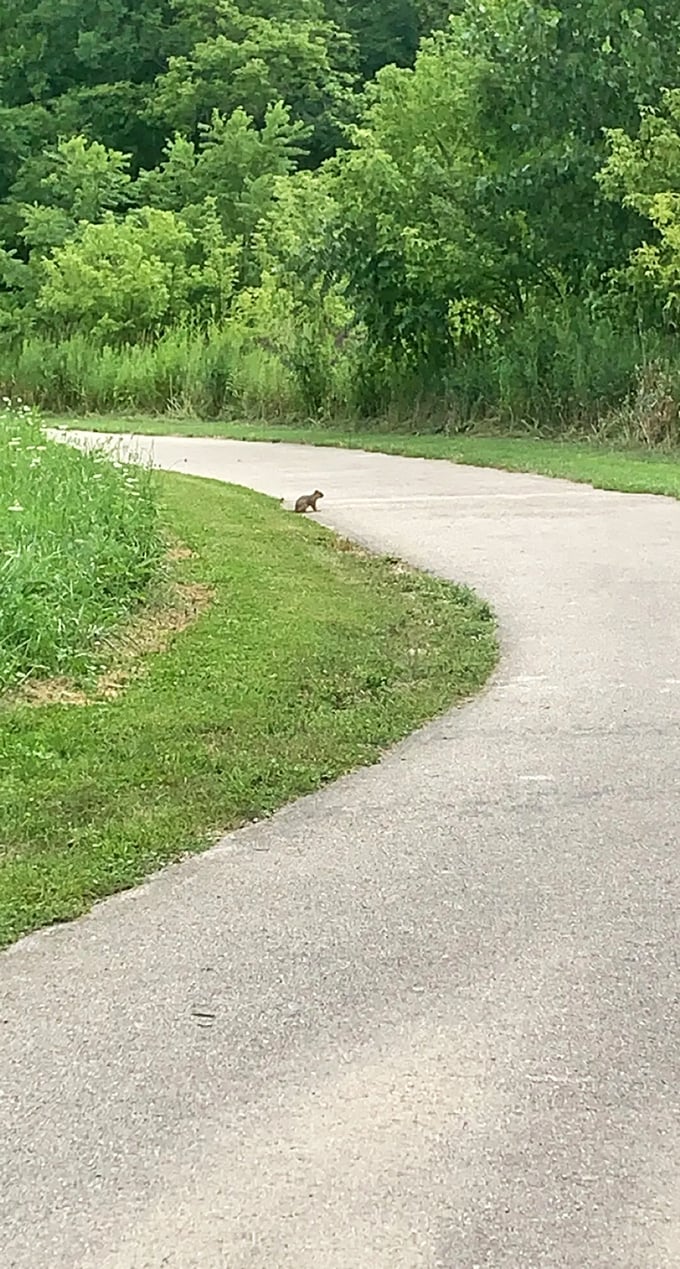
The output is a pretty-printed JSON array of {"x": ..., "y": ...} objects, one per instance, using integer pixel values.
[{"x": 15, "y": 507}]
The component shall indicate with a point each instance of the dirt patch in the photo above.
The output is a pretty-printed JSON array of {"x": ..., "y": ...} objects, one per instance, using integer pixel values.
[
  {"x": 148, "y": 633},
  {"x": 179, "y": 552}
]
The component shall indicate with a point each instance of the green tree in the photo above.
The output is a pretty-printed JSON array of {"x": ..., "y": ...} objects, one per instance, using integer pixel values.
[
  {"x": 472, "y": 179},
  {"x": 433, "y": 15},
  {"x": 406, "y": 235},
  {"x": 251, "y": 61},
  {"x": 85, "y": 62},
  {"x": 556, "y": 77},
  {"x": 233, "y": 162},
  {"x": 642, "y": 172},
  {"x": 385, "y": 32},
  {"x": 76, "y": 182},
  {"x": 118, "y": 279}
]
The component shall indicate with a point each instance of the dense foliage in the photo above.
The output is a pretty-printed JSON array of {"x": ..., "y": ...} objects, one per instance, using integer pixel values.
[{"x": 322, "y": 205}]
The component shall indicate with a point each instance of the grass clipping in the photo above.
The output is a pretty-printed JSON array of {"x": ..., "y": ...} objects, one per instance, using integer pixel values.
[{"x": 308, "y": 660}]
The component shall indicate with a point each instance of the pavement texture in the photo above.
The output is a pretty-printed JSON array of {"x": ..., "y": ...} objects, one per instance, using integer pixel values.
[{"x": 428, "y": 1017}]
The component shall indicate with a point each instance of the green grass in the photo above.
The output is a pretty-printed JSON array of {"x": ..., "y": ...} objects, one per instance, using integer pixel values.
[
  {"x": 605, "y": 467},
  {"x": 80, "y": 546},
  {"x": 310, "y": 660}
]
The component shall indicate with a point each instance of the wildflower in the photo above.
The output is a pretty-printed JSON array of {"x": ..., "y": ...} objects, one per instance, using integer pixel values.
[{"x": 15, "y": 507}]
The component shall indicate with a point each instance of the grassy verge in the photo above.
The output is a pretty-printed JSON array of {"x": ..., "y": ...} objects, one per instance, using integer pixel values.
[
  {"x": 311, "y": 658},
  {"x": 80, "y": 548},
  {"x": 605, "y": 467}
]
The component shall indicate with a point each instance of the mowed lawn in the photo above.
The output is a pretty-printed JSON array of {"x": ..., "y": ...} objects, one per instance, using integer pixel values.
[
  {"x": 603, "y": 466},
  {"x": 307, "y": 658}
]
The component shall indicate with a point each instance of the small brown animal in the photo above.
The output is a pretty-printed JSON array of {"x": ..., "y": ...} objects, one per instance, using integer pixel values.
[{"x": 308, "y": 501}]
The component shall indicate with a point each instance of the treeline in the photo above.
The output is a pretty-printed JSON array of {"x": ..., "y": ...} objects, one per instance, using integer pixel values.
[{"x": 435, "y": 209}]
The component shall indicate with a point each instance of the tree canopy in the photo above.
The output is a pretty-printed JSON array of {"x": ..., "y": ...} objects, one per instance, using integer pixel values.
[{"x": 424, "y": 170}]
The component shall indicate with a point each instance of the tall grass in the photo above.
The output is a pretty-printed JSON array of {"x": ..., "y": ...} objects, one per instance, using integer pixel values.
[
  {"x": 80, "y": 546},
  {"x": 184, "y": 371},
  {"x": 556, "y": 369}
]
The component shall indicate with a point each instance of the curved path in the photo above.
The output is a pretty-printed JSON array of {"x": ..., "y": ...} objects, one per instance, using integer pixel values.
[{"x": 443, "y": 994}]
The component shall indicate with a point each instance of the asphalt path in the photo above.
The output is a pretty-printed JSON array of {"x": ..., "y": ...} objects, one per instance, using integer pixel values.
[{"x": 428, "y": 1017}]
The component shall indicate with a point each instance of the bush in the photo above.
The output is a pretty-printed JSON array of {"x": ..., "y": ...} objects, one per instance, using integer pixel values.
[{"x": 80, "y": 547}]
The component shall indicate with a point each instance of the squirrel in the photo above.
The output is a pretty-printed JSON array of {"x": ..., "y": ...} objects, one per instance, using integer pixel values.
[{"x": 307, "y": 502}]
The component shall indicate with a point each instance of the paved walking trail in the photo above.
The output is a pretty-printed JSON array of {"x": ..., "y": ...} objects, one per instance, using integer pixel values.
[{"x": 444, "y": 1024}]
